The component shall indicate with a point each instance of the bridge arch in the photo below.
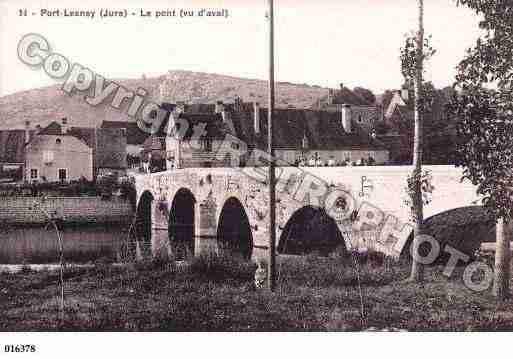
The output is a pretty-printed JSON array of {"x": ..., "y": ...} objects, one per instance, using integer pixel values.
[
  {"x": 310, "y": 229},
  {"x": 144, "y": 221},
  {"x": 181, "y": 223},
  {"x": 463, "y": 228},
  {"x": 234, "y": 235}
]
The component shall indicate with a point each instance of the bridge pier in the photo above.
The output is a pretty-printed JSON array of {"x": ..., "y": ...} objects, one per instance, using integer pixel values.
[
  {"x": 206, "y": 228},
  {"x": 160, "y": 246}
]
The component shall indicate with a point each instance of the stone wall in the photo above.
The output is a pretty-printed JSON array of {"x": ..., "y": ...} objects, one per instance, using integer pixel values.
[{"x": 21, "y": 210}]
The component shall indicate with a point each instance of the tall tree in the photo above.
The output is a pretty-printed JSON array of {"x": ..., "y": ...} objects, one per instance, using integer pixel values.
[
  {"x": 412, "y": 57},
  {"x": 484, "y": 107}
]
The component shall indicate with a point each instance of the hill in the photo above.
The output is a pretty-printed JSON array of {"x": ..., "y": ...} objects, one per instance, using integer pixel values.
[{"x": 43, "y": 105}]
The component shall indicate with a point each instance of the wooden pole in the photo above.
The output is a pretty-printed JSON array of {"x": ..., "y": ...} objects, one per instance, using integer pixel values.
[{"x": 272, "y": 164}]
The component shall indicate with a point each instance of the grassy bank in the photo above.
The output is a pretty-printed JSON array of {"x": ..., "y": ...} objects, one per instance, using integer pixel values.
[{"x": 313, "y": 294}]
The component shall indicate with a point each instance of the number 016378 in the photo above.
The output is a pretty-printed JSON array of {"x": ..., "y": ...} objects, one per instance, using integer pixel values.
[{"x": 19, "y": 348}]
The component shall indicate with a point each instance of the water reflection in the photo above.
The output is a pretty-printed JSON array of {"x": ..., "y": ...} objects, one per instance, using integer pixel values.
[{"x": 82, "y": 244}]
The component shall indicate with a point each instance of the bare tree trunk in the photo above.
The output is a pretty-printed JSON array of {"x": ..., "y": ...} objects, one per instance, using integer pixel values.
[
  {"x": 417, "y": 270},
  {"x": 501, "y": 284},
  {"x": 61, "y": 266}
]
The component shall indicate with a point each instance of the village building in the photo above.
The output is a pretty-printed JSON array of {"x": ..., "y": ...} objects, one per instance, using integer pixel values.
[
  {"x": 135, "y": 138},
  {"x": 302, "y": 137},
  {"x": 398, "y": 125},
  {"x": 366, "y": 113},
  {"x": 60, "y": 152}
]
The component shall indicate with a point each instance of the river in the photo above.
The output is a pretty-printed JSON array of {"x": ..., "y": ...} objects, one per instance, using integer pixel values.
[{"x": 82, "y": 244}]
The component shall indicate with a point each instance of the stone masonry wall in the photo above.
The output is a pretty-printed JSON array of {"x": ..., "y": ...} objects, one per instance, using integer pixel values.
[{"x": 20, "y": 210}]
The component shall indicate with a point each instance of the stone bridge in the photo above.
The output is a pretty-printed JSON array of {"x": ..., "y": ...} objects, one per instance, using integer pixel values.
[{"x": 197, "y": 211}]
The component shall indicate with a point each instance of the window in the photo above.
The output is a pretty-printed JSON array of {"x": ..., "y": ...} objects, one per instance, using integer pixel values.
[
  {"x": 47, "y": 157},
  {"x": 33, "y": 173},
  {"x": 58, "y": 141},
  {"x": 206, "y": 145},
  {"x": 62, "y": 174}
]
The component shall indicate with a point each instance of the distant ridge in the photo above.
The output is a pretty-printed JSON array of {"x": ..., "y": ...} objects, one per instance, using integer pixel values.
[{"x": 43, "y": 105}]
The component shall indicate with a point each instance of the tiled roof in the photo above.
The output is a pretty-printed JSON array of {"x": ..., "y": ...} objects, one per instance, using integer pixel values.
[
  {"x": 54, "y": 128},
  {"x": 323, "y": 129},
  {"x": 344, "y": 96},
  {"x": 134, "y": 135},
  {"x": 215, "y": 129},
  {"x": 110, "y": 142},
  {"x": 82, "y": 133},
  {"x": 200, "y": 108}
]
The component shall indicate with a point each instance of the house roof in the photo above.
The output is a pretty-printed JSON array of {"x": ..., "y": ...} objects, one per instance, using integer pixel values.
[
  {"x": 214, "y": 126},
  {"x": 11, "y": 146},
  {"x": 134, "y": 135},
  {"x": 84, "y": 134},
  {"x": 110, "y": 142},
  {"x": 322, "y": 129},
  {"x": 343, "y": 96}
]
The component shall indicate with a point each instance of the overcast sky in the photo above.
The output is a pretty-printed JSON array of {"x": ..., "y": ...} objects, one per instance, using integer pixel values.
[{"x": 323, "y": 42}]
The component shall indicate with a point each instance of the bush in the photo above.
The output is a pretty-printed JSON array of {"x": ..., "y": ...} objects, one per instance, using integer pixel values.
[
  {"x": 220, "y": 268},
  {"x": 156, "y": 263}
]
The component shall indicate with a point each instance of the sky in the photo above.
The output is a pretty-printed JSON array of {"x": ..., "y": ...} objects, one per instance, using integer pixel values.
[{"x": 324, "y": 42}]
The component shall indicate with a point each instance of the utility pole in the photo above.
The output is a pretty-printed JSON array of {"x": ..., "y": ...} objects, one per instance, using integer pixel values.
[{"x": 270, "y": 141}]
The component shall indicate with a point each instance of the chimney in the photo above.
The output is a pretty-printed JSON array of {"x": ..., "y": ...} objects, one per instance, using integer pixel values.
[
  {"x": 346, "y": 118},
  {"x": 64, "y": 126},
  {"x": 405, "y": 94},
  {"x": 219, "y": 107},
  {"x": 227, "y": 119},
  {"x": 38, "y": 129},
  {"x": 256, "y": 109},
  {"x": 237, "y": 104},
  {"x": 27, "y": 132},
  {"x": 341, "y": 86},
  {"x": 304, "y": 143},
  {"x": 330, "y": 97}
]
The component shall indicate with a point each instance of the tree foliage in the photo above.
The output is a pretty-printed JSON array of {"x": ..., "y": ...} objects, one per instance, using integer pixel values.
[
  {"x": 408, "y": 58},
  {"x": 366, "y": 94},
  {"x": 484, "y": 107}
]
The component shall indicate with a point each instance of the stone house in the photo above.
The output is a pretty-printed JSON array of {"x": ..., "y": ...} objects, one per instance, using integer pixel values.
[
  {"x": 60, "y": 152},
  {"x": 61, "y": 157}
]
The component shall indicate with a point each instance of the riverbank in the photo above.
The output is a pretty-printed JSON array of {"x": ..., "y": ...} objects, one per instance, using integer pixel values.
[{"x": 313, "y": 294}]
